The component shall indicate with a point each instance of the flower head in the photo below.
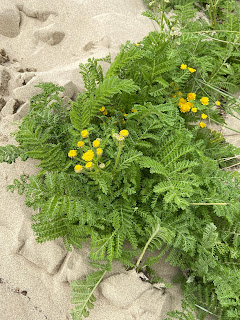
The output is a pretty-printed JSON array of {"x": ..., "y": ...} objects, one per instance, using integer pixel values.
[
  {"x": 102, "y": 166},
  {"x": 80, "y": 144},
  {"x": 204, "y": 116},
  {"x": 194, "y": 109},
  {"x": 183, "y": 66},
  {"x": 89, "y": 165},
  {"x": 88, "y": 156},
  {"x": 204, "y": 100},
  {"x": 102, "y": 109},
  {"x": 96, "y": 143},
  {"x": 84, "y": 133},
  {"x": 99, "y": 151},
  {"x": 120, "y": 138},
  {"x": 78, "y": 168},
  {"x": 182, "y": 101},
  {"x": 137, "y": 44},
  {"x": 202, "y": 124},
  {"x": 191, "y": 96},
  {"x": 72, "y": 153},
  {"x": 186, "y": 107},
  {"x": 134, "y": 110},
  {"x": 218, "y": 103},
  {"x": 125, "y": 114},
  {"x": 124, "y": 133},
  {"x": 192, "y": 70},
  {"x": 105, "y": 112}
]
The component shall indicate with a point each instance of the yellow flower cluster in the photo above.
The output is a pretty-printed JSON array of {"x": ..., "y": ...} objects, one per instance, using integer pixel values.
[
  {"x": 122, "y": 135},
  {"x": 184, "y": 67},
  {"x": 88, "y": 155},
  {"x": 104, "y": 111},
  {"x": 185, "y": 105}
]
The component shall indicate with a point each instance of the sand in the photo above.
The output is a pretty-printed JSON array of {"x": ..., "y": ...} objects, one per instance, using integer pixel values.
[{"x": 46, "y": 41}]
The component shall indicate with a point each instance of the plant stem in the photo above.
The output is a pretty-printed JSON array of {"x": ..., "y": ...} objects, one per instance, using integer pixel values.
[
  {"x": 233, "y": 165},
  {"x": 120, "y": 147},
  {"x": 146, "y": 246},
  {"x": 208, "y": 204}
]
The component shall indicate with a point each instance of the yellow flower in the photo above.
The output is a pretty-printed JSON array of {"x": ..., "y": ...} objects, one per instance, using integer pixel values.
[
  {"x": 186, "y": 107},
  {"x": 72, "y": 153},
  {"x": 194, "y": 109},
  {"x": 124, "y": 133},
  {"x": 78, "y": 168},
  {"x": 99, "y": 151},
  {"x": 191, "y": 96},
  {"x": 137, "y": 44},
  {"x": 105, "y": 112},
  {"x": 192, "y": 70},
  {"x": 202, "y": 124},
  {"x": 204, "y": 100},
  {"x": 96, "y": 143},
  {"x": 183, "y": 66},
  {"x": 218, "y": 103},
  {"x": 89, "y": 165},
  {"x": 102, "y": 109},
  {"x": 204, "y": 116},
  {"x": 88, "y": 156},
  {"x": 84, "y": 133},
  {"x": 182, "y": 101},
  {"x": 134, "y": 110},
  {"x": 125, "y": 114},
  {"x": 80, "y": 144}
]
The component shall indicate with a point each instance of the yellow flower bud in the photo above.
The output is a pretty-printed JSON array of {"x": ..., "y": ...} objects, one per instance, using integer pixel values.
[
  {"x": 194, "y": 109},
  {"x": 191, "y": 96},
  {"x": 84, "y": 133},
  {"x": 99, "y": 151},
  {"x": 89, "y": 165},
  {"x": 80, "y": 144},
  {"x": 218, "y": 103},
  {"x": 204, "y": 101},
  {"x": 183, "y": 66},
  {"x": 78, "y": 168},
  {"x": 96, "y": 143},
  {"x": 192, "y": 70},
  {"x": 72, "y": 153},
  {"x": 124, "y": 133}
]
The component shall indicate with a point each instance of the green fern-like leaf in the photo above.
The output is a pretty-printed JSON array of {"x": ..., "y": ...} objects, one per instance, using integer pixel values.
[
  {"x": 83, "y": 294},
  {"x": 9, "y": 153}
]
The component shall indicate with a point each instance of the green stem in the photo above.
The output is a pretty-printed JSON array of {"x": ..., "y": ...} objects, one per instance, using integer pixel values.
[
  {"x": 146, "y": 246},
  {"x": 120, "y": 147},
  {"x": 209, "y": 204}
]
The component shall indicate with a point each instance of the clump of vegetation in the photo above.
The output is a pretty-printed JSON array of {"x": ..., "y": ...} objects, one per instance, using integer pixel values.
[{"x": 134, "y": 161}]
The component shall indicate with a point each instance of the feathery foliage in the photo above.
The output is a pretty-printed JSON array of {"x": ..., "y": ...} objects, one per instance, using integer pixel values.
[{"x": 128, "y": 168}]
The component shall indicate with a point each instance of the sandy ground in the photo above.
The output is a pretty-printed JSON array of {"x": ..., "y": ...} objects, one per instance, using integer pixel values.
[{"x": 45, "y": 41}]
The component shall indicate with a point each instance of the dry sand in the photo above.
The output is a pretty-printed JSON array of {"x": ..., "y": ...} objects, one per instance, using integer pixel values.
[{"x": 45, "y": 41}]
